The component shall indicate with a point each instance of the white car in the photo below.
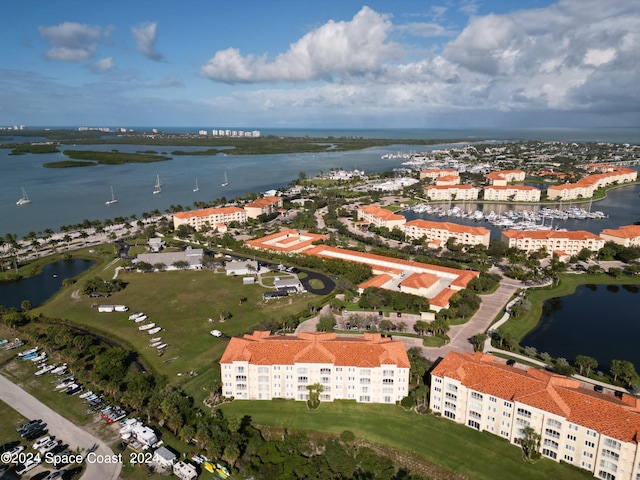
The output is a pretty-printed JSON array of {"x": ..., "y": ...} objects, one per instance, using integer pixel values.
[
  {"x": 30, "y": 464},
  {"x": 47, "y": 447},
  {"x": 42, "y": 441}
]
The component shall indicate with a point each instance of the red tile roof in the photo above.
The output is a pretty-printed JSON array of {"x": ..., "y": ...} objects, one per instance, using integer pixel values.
[
  {"x": 420, "y": 280},
  {"x": 450, "y": 227},
  {"x": 382, "y": 213},
  {"x": 263, "y": 202},
  {"x": 377, "y": 281},
  {"x": 369, "y": 350},
  {"x": 205, "y": 212},
  {"x": 616, "y": 418},
  {"x": 626, "y": 231},
  {"x": 547, "y": 234}
]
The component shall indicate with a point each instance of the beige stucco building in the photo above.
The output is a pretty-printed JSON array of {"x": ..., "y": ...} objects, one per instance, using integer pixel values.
[
  {"x": 568, "y": 242},
  {"x": 453, "y": 192},
  {"x": 627, "y": 235},
  {"x": 442, "y": 231},
  {"x": 512, "y": 193},
  {"x": 367, "y": 368},
  {"x": 435, "y": 173},
  {"x": 210, "y": 217},
  {"x": 380, "y": 217},
  {"x": 594, "y": 431},
  {"x": 502, "y": 177},
  {"x": 263, "y": 206},
  {"x": 586, "y": 187}
]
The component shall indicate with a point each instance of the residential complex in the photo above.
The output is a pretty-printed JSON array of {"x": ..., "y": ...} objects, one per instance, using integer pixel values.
[
  {"x": 627, "y": 235},
  {"x": 594, "y": 431},
  {"x": 438, "y": 233},
  {"x": 502, "y": 177},
  {"x": 515, "y": 193},
  {"x": 448, "y": 180},
  {"x": 435, "y": 173},
  {"x": 554, "y": 241},
  {"x": 209, "y": 217},
  {"x": 263, "y": 206},
  {"x": 451, "y": 192},
  {"x": 585, "y": 187},
  {"x": 380, "y": 217},
  {"x": 288, "y": 241},
  {"x": 367, "y": 369}
]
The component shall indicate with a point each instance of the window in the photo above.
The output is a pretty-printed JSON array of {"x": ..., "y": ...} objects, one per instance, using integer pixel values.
[
  {"x": 473, "y": 424},
  {"x": 364, "y": 389},
  {"x": 451, "y": 387},
  {"x": 589, "y": 444},
  {"x": 587, "y": 454},
  {"x": 263, "y": 388},
  {"x": 591, "y": 433},
  {"x": 276, "y": 367},
  {"x": 263, "y": 378},
  {"x": 610, "y": 454},
  {"x": 241, "y": 386},
  {"x": 551, "y": 433},
  {"x": 507, "y": 404},
  {"x": 586, "y": 465},
  {"x": 386, "y": 399},
  {"x": 506, "y": 414},
  {"x": 550, "y": 443},
  {"x": 606, "y": 475},
  {"x": 573, "y": 427},
  {"x": 476, "y": 396},
  {"x": 241, "y": 378},
  {"x": 611, "y": 443},
  {"x": 571, "y": 438},
  {"x": 437, "y": 389},
  {"x": 438, "y": 380},
  {"x": 522, "y": 422},
  {"x": 387, "y": 381},
  {"x": 365, "y": 381},
  {"x": 303, "y": 379},
  {"x": 387, "y": 373},
  {"x": 524, "y": 413},
  {"x": 449, "y": 414},
  {"x": 568, "y": 458},
  {"x": 325, "y": 380},
  {"x": 451, "y": 396},
  {"x": 449, "y": 405},
  {"x": 239, "y": 369},
  {"x": 549, "y": 453},
  {"x": 263, "y": 369},
  {"x": 338, "y": 369},
  {"x": 365, "y": 398},
  {"x": 493, "y": 399},
  {"x": 325, "y": 371},
  {"x": 302, "y": 371},
  {"x": 554, "y": 423},
  {"x": 475, "y": 415},
  {"x": 387, "y": 390}
]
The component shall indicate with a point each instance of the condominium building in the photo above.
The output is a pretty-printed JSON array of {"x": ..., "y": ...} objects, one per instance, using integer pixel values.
[
  {"x": 594, "y": 431},
  {"x": 453, "y": 192},
  {"x": 263, "y": 206},
  {"x": 443, "y": 231},
  {"x": 502, "y": 177},
  {"x": 627, "y": 235},
  {"x": 367, "y": 369},
  {"x": 209, "y": 217},
  {"x": 586, "y": 187},
  {"x": 448, "y": 180},
  {"x": 570, "y": 243},
  {"x": 380, "y": 217},
  {"x": 435, "y": 173},
  {"x": 514, "y": 193}
]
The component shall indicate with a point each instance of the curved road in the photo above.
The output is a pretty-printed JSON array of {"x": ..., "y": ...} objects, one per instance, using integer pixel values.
[{"x": 68, "y": 432}]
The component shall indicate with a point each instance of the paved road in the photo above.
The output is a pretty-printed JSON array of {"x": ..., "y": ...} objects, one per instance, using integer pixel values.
[{"x": 63, "y": 429}]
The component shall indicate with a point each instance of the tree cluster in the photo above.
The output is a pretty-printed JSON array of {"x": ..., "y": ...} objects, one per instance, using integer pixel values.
[{"x": 374, "y": 298}]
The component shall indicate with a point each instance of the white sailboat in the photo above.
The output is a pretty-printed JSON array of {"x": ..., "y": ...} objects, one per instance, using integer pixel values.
[
  {"x": 113, "y": 198},
  {"x": 158, "y": 185},
  {"x": 196, "y": 187},
  {"x": 25, "y": 199},
  {"x": 226, "y": 181}
]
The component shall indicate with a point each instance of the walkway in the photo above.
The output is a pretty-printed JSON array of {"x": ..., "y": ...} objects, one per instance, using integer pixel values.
[{"x": 76, "y": 437}]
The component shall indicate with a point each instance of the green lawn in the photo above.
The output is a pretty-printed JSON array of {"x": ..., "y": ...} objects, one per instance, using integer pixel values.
[
  {"x": 181, "y": 302},
  {"x": 458, "y": 448}
]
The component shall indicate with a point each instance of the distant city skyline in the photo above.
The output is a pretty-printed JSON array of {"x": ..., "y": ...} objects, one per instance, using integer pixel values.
[{"x": 330, "y": 64}]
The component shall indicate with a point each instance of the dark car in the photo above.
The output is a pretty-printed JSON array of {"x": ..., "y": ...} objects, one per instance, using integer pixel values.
[
  {"x": 27, "y": 425},
  {"x": 33, "y": 428},
  {"x": 32, "y": 435}
]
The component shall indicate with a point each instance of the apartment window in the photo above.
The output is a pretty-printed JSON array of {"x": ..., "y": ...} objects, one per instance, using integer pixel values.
[
  {"x": 451, "y": 387},
  {"x": 289, "y": 377},
  {"x": 549, "y": 453},
  {"x": 227, "y": 367},
  {"x": 610, "y": 454},
  {"x": 475, "y": 405},
  {"x": 573, "y": 427},
  {"x": 589, "y": 444},
  {"x": 302, "y": 388},
  {"x": 591, "y": 433},
  {"x": 386, "y": 399},
  {"x": 387, "y": 373},
  {"x": 451, "y": 396},
  {"x": 611, "y": 443},
  {"x": 476, "y": 396},
  {"x": 263, "y": 388},
  {"x": 551, "y": 433},
  {"x": 351, "y": 379},
  {"x": 475, "y": 415},
  {"x": 506, "y": 414},
  {"x": 491, "y": 419},
  {"x": 449, "y": 414},
  {"x": 571, "y": 438},
  {"x": 239, "y": 369},
  {"x": 365, "y": 398},
  {"x": 587, "y": 454},
  {"x": 438, "y": 380},
  {"x": 241, "y": 386},
  {"x": 263, "y": 369},
  {"x": 289, "y": 368},
  {"x": 522, "y": 422},
  {"x": 570, "y": 448},
  {"x": 387, "y": 390},
  {"x": 449, "y": 405},
  {"x": 493, "y": 399},
  {"x": 550, "y": 443},
  {"x": 473, "y": 424},
  {"x": 507, "y": 404},
  {"x": 325, "y": 379},
  {"x": 241, "y": 378},
  {"x": 365, "y": 381},
  {"x": 276, "y": 377},
  {"x": 554, "y": 423},
  {"x": 609, "y": 466},
  {"x": 524, "y": 413},
  {"x": 302, "y": 371},
  {"x": 325, "y": 371},
  {"x": 437, "y": 389},
  {"x": 504, "y": 433},
  {"x": 364, "y": 389},
  {"x": 568, "y": 458},
  {"x": 352, "y": 369},
  {"x": 388, "y": 381},
  {"x": 586, "y": 465},
  {"x": 338, "y": 369},
  {"x": 303, "y": 379},
  {"x": 276, "y": 367}
]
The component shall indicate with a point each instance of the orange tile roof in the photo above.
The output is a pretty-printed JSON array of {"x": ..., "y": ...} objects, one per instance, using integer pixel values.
[
  {"x": 382, "y": 213},
  {"x": 547, "y": 234},
  {"x": 263, "y": 202},
  {"x": 447, "y": 187},
  {"x": 376, "y": 281},
  {"x": 442, "y": 298},
  {"x": 626, "y": 231},
  {"x": 369, "y": 350},
  {"x": 448, "y": 226},
  {"x": 616, "y": 418},
  {"x": 439, "y": 170},
  {"x": 510, "y": 187},
  {"x": 591, "y": 180},
  {"x": 420, "y": 280},
  {"x": 205, "y": 212},
  {"x": 448, "y": 178},
  {"x": 286, "y": 241},
  {"x": 500, "y": 175}
]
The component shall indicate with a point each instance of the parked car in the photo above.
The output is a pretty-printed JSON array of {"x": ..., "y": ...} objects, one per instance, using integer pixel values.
[
  {"x": 49, "y": 446},
  {"x": 33, "y": 434},
  {"x": 61, "y": 459},
  {"x": 55, "y": 475},
  {"x": 30, "y": 464},
  {"x": 42, "y": 441},
  {"x": 27, "y": 425}
]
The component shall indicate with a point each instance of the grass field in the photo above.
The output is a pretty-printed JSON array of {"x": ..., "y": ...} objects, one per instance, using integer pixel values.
[
  {"x": 480, "y": 456},
  {"x": 187, "y": 305}
]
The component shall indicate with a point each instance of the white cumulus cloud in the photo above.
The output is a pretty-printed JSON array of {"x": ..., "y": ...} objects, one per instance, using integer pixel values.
[
  {"x": 103, "y": 65},
  {"x": 72, "y": 42},
  {"x": 146, "y": 36},
  {"x": 336, "y": 49}
]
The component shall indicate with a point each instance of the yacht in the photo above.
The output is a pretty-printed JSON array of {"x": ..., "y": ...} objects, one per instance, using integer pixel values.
[
  {"x": 196, "y": 188},
  {"x": 113, "y": 199},
  {"x": 226, "y": 181},
  {"x": 25, "y": 199}
]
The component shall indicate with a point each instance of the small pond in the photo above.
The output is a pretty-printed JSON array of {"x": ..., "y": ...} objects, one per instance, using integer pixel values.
[
  {"x": 601, "y": 321},
  {"x": 40, "y": 288}
]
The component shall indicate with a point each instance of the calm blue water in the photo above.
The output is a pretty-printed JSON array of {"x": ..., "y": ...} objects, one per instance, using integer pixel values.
[
  {"x": 40, "y": 288},
  {"x": 601, "y": 321},
  {"x": 70, "y": 195}
]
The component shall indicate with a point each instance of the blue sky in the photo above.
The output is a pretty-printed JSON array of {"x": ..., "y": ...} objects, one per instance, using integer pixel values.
[{"x": 335, "y": 63}]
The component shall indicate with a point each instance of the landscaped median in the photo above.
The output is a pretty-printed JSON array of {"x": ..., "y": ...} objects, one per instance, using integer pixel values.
[{"x": 456, "y": 447}]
